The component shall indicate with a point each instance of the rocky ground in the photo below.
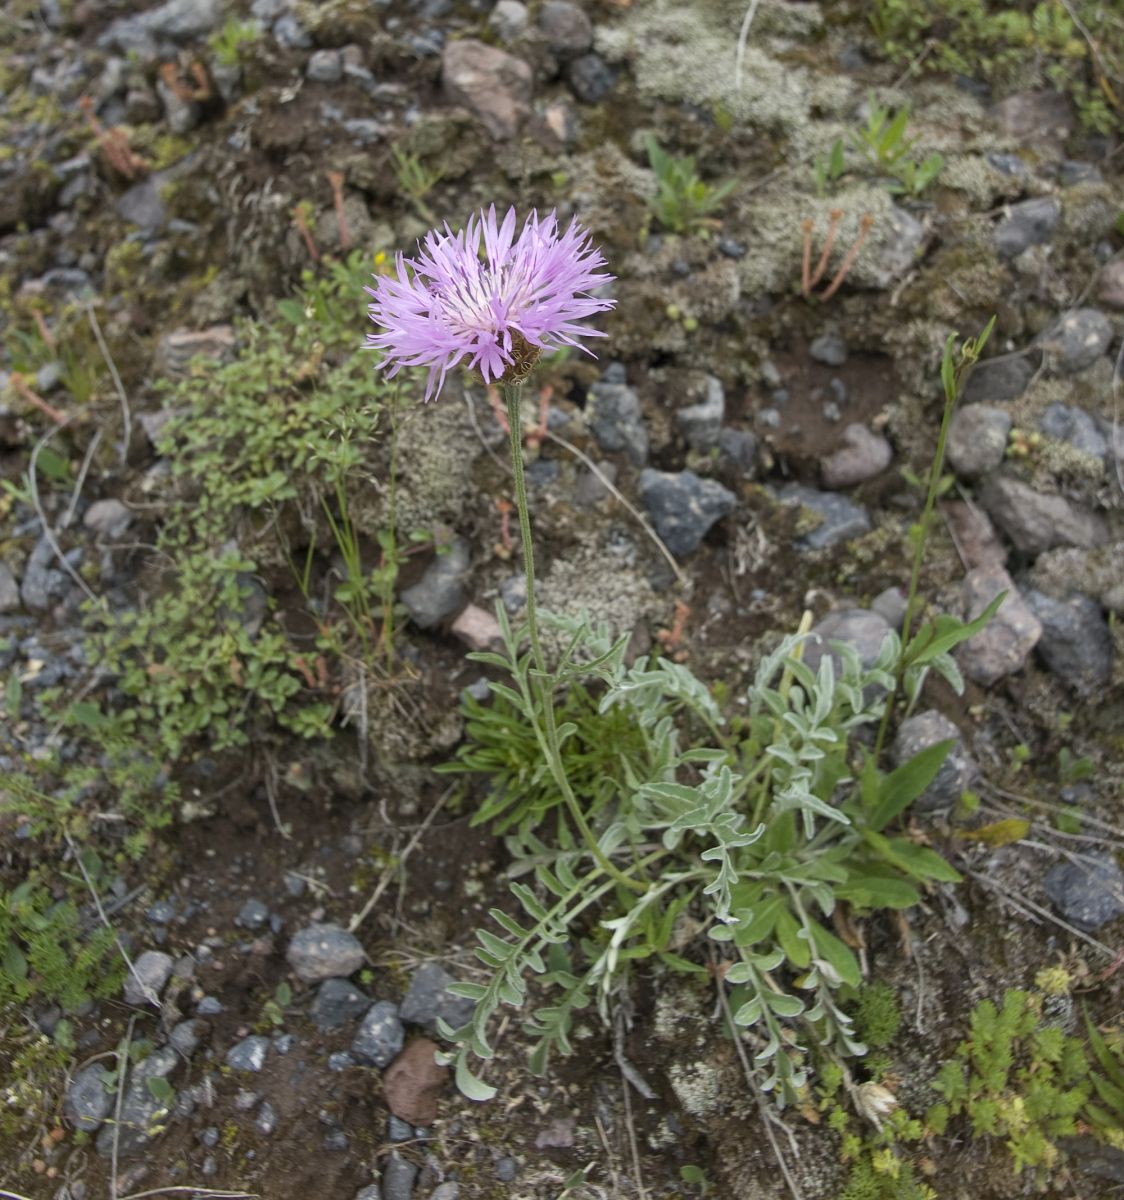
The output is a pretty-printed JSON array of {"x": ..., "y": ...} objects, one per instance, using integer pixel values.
[{"x": 158, "y": 189}]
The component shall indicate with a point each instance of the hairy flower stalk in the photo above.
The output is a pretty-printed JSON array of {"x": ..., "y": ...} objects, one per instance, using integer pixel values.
[{"x": 496, "y": 313}]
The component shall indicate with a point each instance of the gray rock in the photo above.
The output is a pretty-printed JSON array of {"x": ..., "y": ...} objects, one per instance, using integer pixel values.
[
  {"x": 590, "y": 78},
  {"x": 1087, "y": 893},
  {"x": 863, "y": 455},
  {"x": 181, "y": 114},
  {"x": 613, "y": 416},
  {"x": 142, "y": 206},
  {"x": 683, "y": 507},
  {"x": 513, "y": 592},
  {"x": 891, "y": 606},
  {"x": 1110, "y": 288},
  {"x": 246, "y": 1099},
  {"x": 1067, "y": 423},
  {"x": 142, "y": 1115},
  {"x": 341, "y": 1060},
  {"x": 150, "y": 972},
  {"x": 1002, "y": 647},
  {"x": 1001, "y": 379},
  {"x": 398, "y": 1178},
  {"x": 324, "y": 66},
  {"x": 701, "y": 423},
  {"x": 565, "y": 28},
  {"x": 1008, "y": 164},
  {"x": 977, "y": 439},
  {"x": 252, "y": 915},
  {"x": 290, "y": 33},
  {"x": 1073, "y": 173},
  {"x": 1029, "y": 223},
  {"x": 337, "y": 1002},
  {"x": 738, "y": 447},
  {"x": 266, "y": 1120},
  {"x": 161, "y": 913},
  {"x": 858, "y": 627},
  {"x": 958, "y": 770},
  {"x": 381, "y": 1036},
  {"x": 1035, "y": 116},
  {"x": 1076, "y": 340},
  {"x": 1076, "y": 643},
  {"x": 427, "y": 998},
  {"x": 107, "y": 518},
  {"x": 446, "y": 1191},
  {"x": 440, "y": 592},
  {"x": 398, "y": 1130},
  {"x": 493, "y": 84},
  {"x": 507, "y": 1169},
  {"x": 896, "y": 252},
  {"x": 843, "y": 519},
  {"x": 829, "y": 349},
  {"x": 9, "y": 590},
  {"x": 1036, "y": 522},
  {"x": 227, "y": 78},
  {"x": 88, "y": 1102},
  {"x": 209, "y": 1006},
  {"x": 184, "y": 1038},
  {"x": 40, "y": 582},
  {"x": 324, "y": 952},
  {"x": 248, "y": 1054},
  {"x": 180, "y": 20},
  {"x": 509, "y": 20}
]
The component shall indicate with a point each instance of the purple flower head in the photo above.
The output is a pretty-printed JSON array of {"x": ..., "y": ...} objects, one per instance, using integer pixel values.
[{"x": 495, "y": 314}]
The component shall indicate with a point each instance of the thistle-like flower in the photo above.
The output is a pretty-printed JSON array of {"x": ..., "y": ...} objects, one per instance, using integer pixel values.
[{"x": 494, "y": 313}]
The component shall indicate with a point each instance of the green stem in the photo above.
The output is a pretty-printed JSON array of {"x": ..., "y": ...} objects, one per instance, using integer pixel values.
[{"x": 543, "y": 682}]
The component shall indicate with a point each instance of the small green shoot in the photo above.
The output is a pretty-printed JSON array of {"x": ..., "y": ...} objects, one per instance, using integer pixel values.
[{"x": 683, "y": 203}]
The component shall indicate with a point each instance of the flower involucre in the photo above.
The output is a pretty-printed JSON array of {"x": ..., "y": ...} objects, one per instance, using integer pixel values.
[{"x": 495, "y": 314}]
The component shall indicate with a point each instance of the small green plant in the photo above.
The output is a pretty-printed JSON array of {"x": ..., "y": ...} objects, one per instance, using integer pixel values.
[
  {"x": 416, "y": 181},
  {"x": 878, "y": 1016},
  {"x": 1077, "y": 46},
  {"x": 830, "y": 167},
  {"x": 696, "y": 1177},
  {"x": 273, "y": 1010},
  {"x": 47, "y": 953},
  {"x": 226, "y": 43},
  {"x": 883, "y": 143},
  {"x": 683, "y": 202}
]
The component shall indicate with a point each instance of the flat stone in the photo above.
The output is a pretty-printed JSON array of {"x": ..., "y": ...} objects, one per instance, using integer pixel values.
[
  {"x": 1076, "y": 340},
  {"x": 324, "y": 66},
  {"x": 142, "y": 1115},
  {"x": 477, "y": 628},
  {"x": 977, "y": 439},
  {"x": 1034, "y": 116},
  {"x": 142, "y": 206},
  {"x": 9, "y": 590},
  {"x": 565, "y": 28},
  {"x": 413, "y": 1083},
  {"x": 266, "y": 1120},
  {"x": 683, "y": 507},
  {"x": 1110, "y": 288},
  {"x": 88, "y": 1102},
  {"x": 427, "y": 998},
  {"x": 1002, "y": 647},
  {"x": 381, "y": 1036},
  {"x": 1068, "y": 423},
  {"x": 150, "y": 972},
  {"x": 1036, "y": 522},
  {"x": 440, "y": 592},
  {"x": 738, "y": 448},
  {"x": 863, "y": 455},
  {"x": 1088, "y": 894},
  {"x": 590, "y": 78},
  {"x": 248, "y": 1054},
  {"x": 701, "y": 423},
  {"x": 1028, "y": 223},
  {"x": 842, "y": 518},
  {"x": 324, "y": 952},
  {"x": 398, "y": 1178},
  {"x": 613, "y": 416},
  {"x": 899, "y": 238},
  {"x": 976, "y": 537},
  {"x": 891, "y": 606},
  {"x": 859, "y": 628},
  {"x": 1000, "y": 379},
  {"x": 509, "y": 19},
  {"x": 958, "y": 771},
  {"x": 184, "y": 1037},
  {"x": 829, "y": 349},
  {"x": 107, "y": 518},
  {"x": 252, "y": 915},
  {"x": 1076, "y": 643},
  {"x": 493, "y": 84},
  {"x": 337, "y": 1002}
]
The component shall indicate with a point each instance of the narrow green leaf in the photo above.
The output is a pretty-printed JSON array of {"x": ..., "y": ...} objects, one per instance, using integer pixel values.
[{"x": 902, "y": 786}]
